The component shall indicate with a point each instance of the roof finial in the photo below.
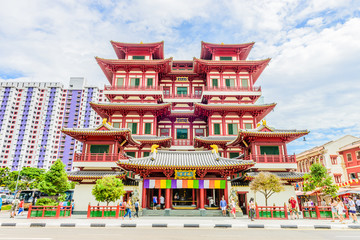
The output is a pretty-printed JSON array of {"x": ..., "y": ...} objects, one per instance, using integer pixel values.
[
  {"x": 141, "y": 42},
  {"x": 215, "y": 148},
  {"x": 222, "y": 43},
  {"x": 263, "y": 122},
  {"x": 104, "y": 120}
]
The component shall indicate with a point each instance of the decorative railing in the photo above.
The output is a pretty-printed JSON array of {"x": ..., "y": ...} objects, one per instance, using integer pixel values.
[
  {"x": 105, "y": 211},
  {"x": 49, "y": 211},
  {"x": 233, "y": 89},
  {"x": 133, "y": 88},
  {"x": 182, "y": 142},
  {"x": 271, "y": 158},
  {"x": 320, "y": 212},
  {"x": 96, "y": 157},
  {"x": 271, "y": 212},
  {"x": 182, "y": 96}
]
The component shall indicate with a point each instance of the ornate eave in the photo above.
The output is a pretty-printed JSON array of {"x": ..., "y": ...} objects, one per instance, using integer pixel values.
[
  {"x": 243, "y": 49},
  {"x": 207, "y": 141},
  {"x": 150, "y": 140},
  {"x": 285, "y": 176},
  {"x": 106, "y": 110},
  {"x": 156, "y": 48},
  {"x": 79, "y": 176}
]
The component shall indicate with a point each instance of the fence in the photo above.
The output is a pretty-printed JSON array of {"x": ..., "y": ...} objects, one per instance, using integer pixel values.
[
  {"x": 271, "y": 212},
  {"x": 320, "y": 212},
  {"x": 49, "y": 211},
  {"x": 105, "y": 211}
]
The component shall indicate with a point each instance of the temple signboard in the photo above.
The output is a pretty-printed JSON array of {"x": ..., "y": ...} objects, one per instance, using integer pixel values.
[{"x": 185, "y": 174}]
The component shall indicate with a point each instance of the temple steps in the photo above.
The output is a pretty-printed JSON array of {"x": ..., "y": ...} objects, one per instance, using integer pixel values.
[{"x": 185, "y": 213}]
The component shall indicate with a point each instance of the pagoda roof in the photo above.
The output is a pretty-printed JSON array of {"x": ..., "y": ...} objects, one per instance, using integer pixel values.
[
  {"x": 82, "y": 175},
  {"x": 103, "y": 130},
  {"x": 185, "y": 160},
  {"x": 243, "y": 49},
  {"x": 255, "y": 67},
  {"x": 107, "y": 109},
  {"x": 288, "y": 176},
  {"x": 264, "y": 131},
  {"x": 207, "y": 141},
  {"x": 110, "y": 66},
  {"x": 121, "y": 48},
  {"x": 257, "y": 110},
  {"x": 152, "y": 139}
]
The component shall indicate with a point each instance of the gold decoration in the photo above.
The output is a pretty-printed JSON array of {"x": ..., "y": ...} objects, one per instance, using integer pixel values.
[
  {"x": 154, "y": 147},
  {"x": 215, "y": 148},
  {"x": 104, "y": 120}
]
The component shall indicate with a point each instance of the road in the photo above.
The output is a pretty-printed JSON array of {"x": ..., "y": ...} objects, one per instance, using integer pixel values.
[{"x": 172, "y": 234}]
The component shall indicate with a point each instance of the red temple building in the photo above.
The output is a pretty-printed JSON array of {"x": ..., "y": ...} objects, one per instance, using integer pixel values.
[{"x": 190, "y": 131}]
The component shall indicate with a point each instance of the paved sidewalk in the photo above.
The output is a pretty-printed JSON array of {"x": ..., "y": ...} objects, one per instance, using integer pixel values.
[{"x": 173, "y": 222}]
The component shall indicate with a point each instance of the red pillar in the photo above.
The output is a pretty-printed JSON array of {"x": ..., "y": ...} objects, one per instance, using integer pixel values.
[
  {"x": 226, "y": 192},
  {"x": 167, "y": 198},
  {"x": 193, "y": 196},
  {"x": 159, "y": 195},
  {"x": 144, "y": 197},
  {"x": 202, "y": 198}
]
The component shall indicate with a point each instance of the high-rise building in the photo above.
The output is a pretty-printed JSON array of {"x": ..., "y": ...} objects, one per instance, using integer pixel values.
[{"x": 32, "y": 116}]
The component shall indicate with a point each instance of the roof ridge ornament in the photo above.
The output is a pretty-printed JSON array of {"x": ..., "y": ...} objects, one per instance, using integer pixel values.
[
  {"x": 215, "y": 151},
  {"x": 154, "y": 151}
]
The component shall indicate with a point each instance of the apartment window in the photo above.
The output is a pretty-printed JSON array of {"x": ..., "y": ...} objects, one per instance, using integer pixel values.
[
  {"x": 134, "y": 82},
  {"x": 147, "y": 128},
  {"x": 181, "y": 90},
  {"x": 138, "y": 57},
  {"x": 269, "y": 150},
  {"x": 217, "y": 128},
  {"x": 234, "y": 154},
  {"x": 244, "y": 83},
  {"x": 149, "y": 82},
  {"x": 333, "y": 160},
  {"x": 248, "y": 125},
  {"x": 120, "y": 82},
  {"x": 348, "y": 156},
  {"x": 230, "y": 83},
  {"x": 232, "y": 128},
  {"x": 225, "y": 58},
  {"x": 337, "y": 178},
  {"x": 181, "y": 133},
  {"x": 133, "y": 127},
  {"x": 164, "y": 132},
  {"x": 199, "y": 132},
  {"x": 215, "y": 82}
]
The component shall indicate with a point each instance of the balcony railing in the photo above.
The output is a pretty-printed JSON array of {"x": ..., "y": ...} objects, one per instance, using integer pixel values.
[
  {"x": 271, "y": 158},
  {"x": 133, "y": 88},
  {"x": 96, "y": 157},
  {"x": 233, "y": 89},
  {"x": 182, "y": 96},
  {"x": 182, "y": 142}
]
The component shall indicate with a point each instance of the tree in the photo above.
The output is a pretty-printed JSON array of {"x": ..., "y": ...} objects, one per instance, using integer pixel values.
[
  {"x": 108, "y": 189},
  {"x": 55, "y": 180},
  {"x": 4, "y": 172},
  {"x": 267, "y": 184},
  {"x": 318, "y": 178}
]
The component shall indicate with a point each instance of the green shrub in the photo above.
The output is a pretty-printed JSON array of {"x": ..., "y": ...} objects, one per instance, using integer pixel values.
[
  {"x": 6, "y": 207},
  {"x": 46, "y": 202}
]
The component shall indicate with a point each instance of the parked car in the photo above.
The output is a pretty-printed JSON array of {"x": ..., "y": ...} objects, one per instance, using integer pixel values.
[
  {"x": 3, "y": 196},
  {"x": 9, "y": 199}
]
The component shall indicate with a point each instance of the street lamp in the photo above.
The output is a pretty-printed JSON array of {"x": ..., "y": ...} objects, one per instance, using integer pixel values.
[{"x": 17, "y": 180}]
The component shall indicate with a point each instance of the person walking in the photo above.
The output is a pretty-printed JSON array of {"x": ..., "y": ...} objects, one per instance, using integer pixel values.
[
  {"x": 223, "y": 205},
  {"x": 252, "y": 209},
  {"x": 340, "y": 210},
  {"x": 358, "y": 204},
  {"x": 128, "y": 209},
  {"x": 334, "y": 209},
  {"x": 233, "y": 208},
  {"x": 0, "y": 203},
  {"x": 293, "y": 208},
  {"x": 162, "y": 202},
  {"x": 154, "y": 202},
  {"x": 72, "y": 206},
  {"x": 14, "y": 207},
  {"x": 136, "y": 205},
  {"x": 21, "y": 207},
  {"x": 352, "y": 210}
]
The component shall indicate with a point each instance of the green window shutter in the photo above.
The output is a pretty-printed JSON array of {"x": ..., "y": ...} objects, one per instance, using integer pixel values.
[
  {"x": 269, "y": 150},
  {"x": 230, "y": 129},
  {"x": 216, "y": 128},
  {"x": 138, "y": 57},
  {"x": 244, "y": 83},
  {"x": 225, "y": 58},
  {"x": 137, "y": 82},
  {"x": 146, "y": 154},
  {"x": 182, "y": 90},
  {"x": 116, "y": 125},
  {"x": 130, "y": 154},
  {"x": 149, "y": 82},
  {"x": 181, "y": 133},
  {"x": 147, "y": 128},
  {"x": 248, "y": 126},
  {"x": 120, "y": 82},
  {"x": 234, "y": 154},
  {"x": 227, "y": 82},
  {"x": 134, "y": 128},
  {"x": 215, "y": 82},
  {"x": 99, "y": 148}
]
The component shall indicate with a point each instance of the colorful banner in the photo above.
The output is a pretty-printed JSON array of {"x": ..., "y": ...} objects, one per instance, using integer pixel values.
[{"x": 177, "y": 184}]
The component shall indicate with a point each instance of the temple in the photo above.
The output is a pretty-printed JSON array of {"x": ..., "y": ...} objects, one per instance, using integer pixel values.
[{"x": 190, "y": 131}]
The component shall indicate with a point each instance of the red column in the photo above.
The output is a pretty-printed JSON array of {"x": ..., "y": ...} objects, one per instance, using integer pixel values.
[
  {"x": 167, "y": 198},
  {"x": 202, "y": 198},
  {"x": 193, "y": 196},
  {"x": 144, "y": 197},
  {"x": 191, "y": 133},
  {"x": 223, "y": 125},
  {"x": 226, "y": 192},
  {"x": 159, "y": 195}
]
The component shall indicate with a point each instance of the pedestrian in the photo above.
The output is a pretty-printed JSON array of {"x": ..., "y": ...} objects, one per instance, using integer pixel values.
[
  {"x": 72, "y": 206},
  {"x": 154, "y": 202},
  {"x": 162, "y": 202},
  {"x": 352, "y": 210},
  {"x": 137, "y": 204},
  {"x": 223, "y": 206},
  {"x": 233, "y": 208},
  {"x": 0, "y": 203},
  {"x": 293, "y": 208},
  {"x": 14, "y": 206},
  {"x": 252, "y": 209},
  {"x": 340, "y": 208},
  {"x": 334, "y": 209},
  {"x": 211, "y": 202},
  {"x": 358, "y": 204},
  {"x": 21, "y": 207},
  {"x": 128, "y": 209},
  {"x": 323, "y": 202}
]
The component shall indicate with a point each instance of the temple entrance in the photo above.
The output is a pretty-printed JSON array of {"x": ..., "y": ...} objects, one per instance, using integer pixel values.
[
  {"x": 243, "y": 202},
  {"x": 184, "y": 199}
]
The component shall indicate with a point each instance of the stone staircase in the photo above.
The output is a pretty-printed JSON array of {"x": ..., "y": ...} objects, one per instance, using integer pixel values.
[{"x": 185, "y": 213}]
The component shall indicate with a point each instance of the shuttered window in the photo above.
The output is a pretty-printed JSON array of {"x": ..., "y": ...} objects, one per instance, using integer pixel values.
[
  {"x": 216, "y": 128},
  {"x": 244, "y": 83},
  {"x": 120, "y": 82},
  {"x": 134, "y": 82},
  {"x": 116, "y": 125},
  {"x": 146, "y": 154},
  {"x": 232, "y": 128},
  {"x": 149, "y": 82},
  {"x": 215, "y": 82},
  {"x": 138, "y": 57},
  {"x": 147, "y": 128},
  {"x": 248, "y": 125},
  {"x": 230, "y": 82},
  {"x": 234, "y": 154},
  {"x": 130, "y": 154},
  {"x": 269, "y": 150},
  {"x": 99, "y": 149},
  {"x": 225, "y": 58},
  {"x": 133, "y": 127}
]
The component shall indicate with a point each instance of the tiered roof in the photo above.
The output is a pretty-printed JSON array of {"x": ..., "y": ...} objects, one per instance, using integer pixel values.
[
  {"x": 243, "y": 49},
  {"x": 157, "y": 48}
]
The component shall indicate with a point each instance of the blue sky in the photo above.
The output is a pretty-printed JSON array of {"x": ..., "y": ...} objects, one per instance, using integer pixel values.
[{"x": 314, "y": 46}]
